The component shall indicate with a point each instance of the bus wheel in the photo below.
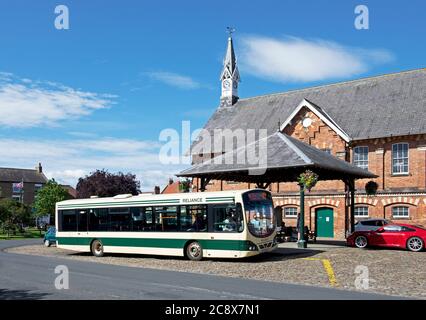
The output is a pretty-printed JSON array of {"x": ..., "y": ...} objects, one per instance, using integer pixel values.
[
  {"x": 194, "y": 251},
  {"x": 97, "y": 248}
]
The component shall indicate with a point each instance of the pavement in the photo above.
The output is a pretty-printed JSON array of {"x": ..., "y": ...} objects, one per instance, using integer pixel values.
[{"x": 33, "y": 277}]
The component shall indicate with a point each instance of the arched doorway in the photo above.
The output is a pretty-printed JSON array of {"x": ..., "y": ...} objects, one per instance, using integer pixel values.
[{"x": 324, "y": 222}]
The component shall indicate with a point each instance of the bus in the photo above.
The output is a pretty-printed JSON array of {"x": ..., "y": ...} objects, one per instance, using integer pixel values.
[{"x": 225, "y": 224}]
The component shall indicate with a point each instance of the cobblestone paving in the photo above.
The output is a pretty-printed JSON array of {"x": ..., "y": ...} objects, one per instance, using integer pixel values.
[{"x": 392, "y": 272}]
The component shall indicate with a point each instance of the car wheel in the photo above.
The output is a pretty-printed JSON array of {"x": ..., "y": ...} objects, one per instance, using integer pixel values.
[
  {"x": 97, "y": 248},
  {"x": 415, "y": 244},
  {"x": 361, "y": 242},
  {"x": 194, "y": 251},
  {"x": 46, "y": 243}
]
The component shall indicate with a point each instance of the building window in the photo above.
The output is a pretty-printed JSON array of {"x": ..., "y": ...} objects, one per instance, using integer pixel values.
[
  {"x": 290, "y": 212},
  {"x": 400, "y": 212},
  {"x": 327, "y": 150},
  {"x": 17, "y": 198},
  {"x": 17, "y": 187},
  {"x": 361, "y": 157},
  {"x": 361, "y": 212},
  {"x": 400, "y": 158}
]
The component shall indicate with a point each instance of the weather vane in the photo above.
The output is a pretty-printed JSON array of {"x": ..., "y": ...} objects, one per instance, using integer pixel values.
[{"x": 230, "y": 30}]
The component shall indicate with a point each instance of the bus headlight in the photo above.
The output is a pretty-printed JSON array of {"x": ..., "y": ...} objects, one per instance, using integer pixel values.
[{"x": 251, "y": 246}]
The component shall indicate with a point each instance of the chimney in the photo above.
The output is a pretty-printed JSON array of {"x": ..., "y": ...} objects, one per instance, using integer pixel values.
[
  {"x": 171, "y": 181},
  {"x": 157, "y": 190},
  {"x": 39, "y": 168}
]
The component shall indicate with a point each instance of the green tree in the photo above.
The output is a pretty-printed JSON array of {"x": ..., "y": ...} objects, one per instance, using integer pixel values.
[
  {"x": 47, "y": 197},
  {"x": 13, "y": 215}
]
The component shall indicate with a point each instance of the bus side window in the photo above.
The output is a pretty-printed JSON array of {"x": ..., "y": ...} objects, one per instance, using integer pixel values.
[
  {"x": 69, "y": 220},
  {"x": 227, "y": 218},
  {"x": 98, "y": 219},
  {"x": 148, "y": 222}
]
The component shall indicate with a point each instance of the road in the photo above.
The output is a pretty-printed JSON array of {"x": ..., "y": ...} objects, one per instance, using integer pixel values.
[{"x": 33, "y": 277}]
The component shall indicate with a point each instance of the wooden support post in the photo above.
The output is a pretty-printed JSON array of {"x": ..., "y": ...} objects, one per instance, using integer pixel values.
[
  {"x": 352, "y": 203},
  {"x": 204, "y": 183}
]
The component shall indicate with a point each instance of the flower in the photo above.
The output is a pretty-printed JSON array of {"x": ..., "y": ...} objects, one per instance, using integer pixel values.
[{"x": 308, "y": 179}]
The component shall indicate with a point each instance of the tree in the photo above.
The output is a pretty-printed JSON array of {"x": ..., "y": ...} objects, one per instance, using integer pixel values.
[
  {"x": 47, "y": 197},
  {"x": 185, "y": 185},
  {"x": 102, "y": 183},
  {"x": 13, "y": 215}
]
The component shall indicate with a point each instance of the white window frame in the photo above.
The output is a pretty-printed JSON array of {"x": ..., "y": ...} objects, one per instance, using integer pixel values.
[
  {"x": 398, "y": 216},
  {"x": 401, "y": 159},
  {"x": 361, "y": 163},
  {"x": 362, "y": 216},
  {"x": 291, "y": 215},
  {"x": 17, "y": 197}
]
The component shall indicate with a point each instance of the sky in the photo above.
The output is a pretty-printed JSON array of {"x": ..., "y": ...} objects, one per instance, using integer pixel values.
[{"x": 99, "y": 94}]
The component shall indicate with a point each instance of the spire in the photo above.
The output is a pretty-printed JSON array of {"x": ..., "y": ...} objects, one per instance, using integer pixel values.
[
  {"x": 230, "y": 76},
  {"x": 230, "y": 69}
]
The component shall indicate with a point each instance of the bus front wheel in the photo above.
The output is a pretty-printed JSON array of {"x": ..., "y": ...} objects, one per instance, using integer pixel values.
[
  {"x": 97, "y": 248},
  {"x": 194, "y": 251}
]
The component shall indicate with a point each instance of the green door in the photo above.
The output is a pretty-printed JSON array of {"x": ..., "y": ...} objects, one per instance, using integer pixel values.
[{"x": 325, "y": 222}]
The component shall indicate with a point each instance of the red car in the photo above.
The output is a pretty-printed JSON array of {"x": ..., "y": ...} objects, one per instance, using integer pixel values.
[{"x": 404, "y": 236}]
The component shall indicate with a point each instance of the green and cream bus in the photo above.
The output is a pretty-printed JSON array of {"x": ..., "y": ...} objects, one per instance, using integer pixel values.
[{"x": 226, "y": 224}]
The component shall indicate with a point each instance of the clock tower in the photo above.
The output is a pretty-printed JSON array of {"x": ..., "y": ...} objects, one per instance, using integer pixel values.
[{"x": 230, "y": 76}]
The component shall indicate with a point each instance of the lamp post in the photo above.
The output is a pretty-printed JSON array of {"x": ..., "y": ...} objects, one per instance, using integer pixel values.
[{"x": 301, "y": 243}]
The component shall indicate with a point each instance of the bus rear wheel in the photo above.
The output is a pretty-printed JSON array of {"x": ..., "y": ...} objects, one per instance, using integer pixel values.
[
  {"x": 97, "y": 248},
  {"x": 194, "y": 251}
]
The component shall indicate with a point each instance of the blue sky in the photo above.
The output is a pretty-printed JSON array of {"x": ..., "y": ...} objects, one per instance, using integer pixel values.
[{"x": 99, "y": 94}]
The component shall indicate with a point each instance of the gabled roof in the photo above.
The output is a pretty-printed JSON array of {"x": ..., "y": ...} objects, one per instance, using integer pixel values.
[
  {"x": 18, "y": 175},
  {"x": 377, "y": 107},
  {"x": 284, "y": 159},
  {"x": 320, "y": 114},
  {"x": 172, "y": 187}
]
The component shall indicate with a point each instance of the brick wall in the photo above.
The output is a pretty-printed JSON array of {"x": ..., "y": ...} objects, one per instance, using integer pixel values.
[
  {"x": 394, "y": 190},
  {"x": 378, "y": 207},
  {"x": 28, "y": 192}
]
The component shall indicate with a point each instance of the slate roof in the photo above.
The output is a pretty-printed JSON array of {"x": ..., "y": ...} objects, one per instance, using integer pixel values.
[
  {"x": 285, "y": 159},
  {"x": 382, "y": 106},
  {"x": 18, "y": 175}
]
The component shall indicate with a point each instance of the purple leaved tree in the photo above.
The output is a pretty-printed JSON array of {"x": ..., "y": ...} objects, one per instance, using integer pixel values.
[{"x": 102, "y": 183}]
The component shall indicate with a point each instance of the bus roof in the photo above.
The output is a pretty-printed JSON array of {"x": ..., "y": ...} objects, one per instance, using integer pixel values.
[{"x": 128, "y": 198}]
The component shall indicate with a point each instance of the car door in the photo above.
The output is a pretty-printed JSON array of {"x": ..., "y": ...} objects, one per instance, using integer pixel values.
[{"x": 388, "y": 236}]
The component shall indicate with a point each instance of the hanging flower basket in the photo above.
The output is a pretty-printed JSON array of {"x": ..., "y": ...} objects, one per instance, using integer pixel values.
[
  {"x": 308, "y": 179},
  {"x": 371, "y": 188}
]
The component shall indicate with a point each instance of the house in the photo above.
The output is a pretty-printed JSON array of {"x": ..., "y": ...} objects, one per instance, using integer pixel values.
[
  {"x": 21, "y": 184},
  {"x": 376, "y": 123},
  {"x": 72, "y": 192},
  {"x": 171, "y": 187}
]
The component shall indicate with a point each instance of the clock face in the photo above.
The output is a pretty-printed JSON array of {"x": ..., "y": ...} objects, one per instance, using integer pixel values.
[
  {"x": 306, "y": 122},
  {"x": 226, "y": 84}
]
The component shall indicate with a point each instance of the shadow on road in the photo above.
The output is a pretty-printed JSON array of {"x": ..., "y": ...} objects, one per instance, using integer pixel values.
[
  {"x": 6, "y": 294},
  {"x": 279, "y": 254}
]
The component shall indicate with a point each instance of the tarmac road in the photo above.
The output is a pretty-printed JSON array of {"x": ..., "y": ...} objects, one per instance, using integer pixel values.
[{"x": 33, "y": 277}]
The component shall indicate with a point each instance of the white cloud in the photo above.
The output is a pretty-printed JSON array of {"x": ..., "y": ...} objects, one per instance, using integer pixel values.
[
  {"x": 174, "y": 80},
  {"x": 297, "y": 60},
  {"x": 68, "y": 160},
  {"x": 27, "y": 103}
]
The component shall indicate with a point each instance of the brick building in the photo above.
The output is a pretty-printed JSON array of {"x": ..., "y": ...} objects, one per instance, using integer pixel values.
[
  {"x": 377, "y": 123},
  {"x": 21, "y": 184}
]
